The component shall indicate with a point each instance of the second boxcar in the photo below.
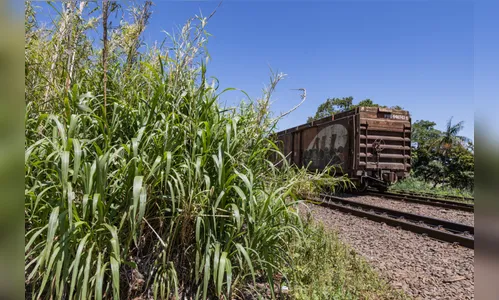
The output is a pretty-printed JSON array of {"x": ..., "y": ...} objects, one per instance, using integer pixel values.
[{"x": 371, "y": 145}]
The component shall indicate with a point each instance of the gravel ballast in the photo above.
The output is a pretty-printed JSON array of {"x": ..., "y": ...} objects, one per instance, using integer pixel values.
[
  {"x": 452, "y": 215},
  {"x": 422, "y": 267}
]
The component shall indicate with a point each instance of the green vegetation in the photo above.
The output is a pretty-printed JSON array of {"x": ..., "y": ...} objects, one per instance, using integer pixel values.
[
  {"x": 139, "y": 184},
  {"x": 443, "y": 159},
  {"x": 337, "y": 105},
  {"x": 417, "y": 185}
]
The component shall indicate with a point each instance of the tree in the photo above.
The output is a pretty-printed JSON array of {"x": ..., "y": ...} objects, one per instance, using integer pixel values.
[
  {"x": 367, "y": 102},
  {"x": 434, "y": 171},
  {"x": 334, "y": 106},
  {"x": 460, "y": 167},
  {"x": 424, "y": 133},
  {"x": 442, "y": 157},
  {"x": 450, "y": 138}
]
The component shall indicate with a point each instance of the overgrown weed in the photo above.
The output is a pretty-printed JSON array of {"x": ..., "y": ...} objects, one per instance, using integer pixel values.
[{"x": 157, "y": 191}]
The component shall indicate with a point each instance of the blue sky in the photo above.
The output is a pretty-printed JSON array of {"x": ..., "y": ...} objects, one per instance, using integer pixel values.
[
  {"x": 487, "y": 69},
  {"x": 416, "y": 54}
]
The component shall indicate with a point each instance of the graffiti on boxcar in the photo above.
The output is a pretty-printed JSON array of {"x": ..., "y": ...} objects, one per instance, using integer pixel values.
[{"x": 327, "y": 148}]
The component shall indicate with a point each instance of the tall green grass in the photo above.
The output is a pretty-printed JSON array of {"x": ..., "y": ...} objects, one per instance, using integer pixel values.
[{"x": 161, "y": 192}]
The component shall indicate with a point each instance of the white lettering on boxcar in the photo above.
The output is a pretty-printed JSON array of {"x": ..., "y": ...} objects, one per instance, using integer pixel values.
[{"x": 396, "y": 117}]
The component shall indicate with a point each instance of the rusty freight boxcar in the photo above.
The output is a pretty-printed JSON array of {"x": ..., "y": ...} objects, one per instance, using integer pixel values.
[{"x": 372, "y": 145}]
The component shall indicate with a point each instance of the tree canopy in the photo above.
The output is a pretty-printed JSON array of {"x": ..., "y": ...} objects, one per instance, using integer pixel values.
[
  {"x": 443, "y": 157},
  {"x": 424, "y": 132},
  {"x": 450, "y": 137}
]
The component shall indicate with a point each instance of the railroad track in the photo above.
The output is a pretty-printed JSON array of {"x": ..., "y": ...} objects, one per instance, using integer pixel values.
[
  {"x": 424, "y": 200},
  {"x": 434, "y": 196},
  {"x": 435, "y": 228}
]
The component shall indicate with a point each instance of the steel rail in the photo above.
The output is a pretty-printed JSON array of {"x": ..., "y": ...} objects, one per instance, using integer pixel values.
[
  {"x": 434, "y": 228},
  {"x": 434, "y": 196},
  {"x": 424, "y": 200},
  {"x": 451, "y": 226}
]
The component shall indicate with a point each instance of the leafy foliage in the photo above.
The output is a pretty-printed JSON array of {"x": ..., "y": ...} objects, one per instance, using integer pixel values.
[
  {"x": 450, "y": 137},
  {"x": 461, "y": 168},
  {"x": 337, "y": 105},
  {"x": 424, "y": 133},
  {"x": 442, "y": 158}
]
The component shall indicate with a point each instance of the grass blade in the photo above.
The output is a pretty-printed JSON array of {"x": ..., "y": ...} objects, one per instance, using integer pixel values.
[
  {"x": 115, "y": 261},
  {"x": 221, "y": 271},
  {"x": 206, "y": 280},
  {"x": 137, "y": 187},
  {"x": 77, "y": 159},
  {"x": 64, "y": 169},
  {"x": 48, "y": 270},
  {"x": 95, "y": 203},
  {"x": 228, "y": 269},
  {"x": 243, "y": 252},
  {"x": 216, "y": 257},
  {"x": 71, "y": 197},
  {"x": 52, "y": 229},
  {"x": 99, "y": 278},
  {"x": 86, "y": 274},
  {"x": 76, "y": 265},
  {"x": 84, "y": 205},
  {"x": 142, "y": 203}
]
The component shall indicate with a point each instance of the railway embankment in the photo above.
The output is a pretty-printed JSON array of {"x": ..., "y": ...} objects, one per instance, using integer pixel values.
[{"x": 422, "y": 267}]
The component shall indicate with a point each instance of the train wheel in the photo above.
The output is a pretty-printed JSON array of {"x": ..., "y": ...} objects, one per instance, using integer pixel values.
[{"x": 362, "y": 187}]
